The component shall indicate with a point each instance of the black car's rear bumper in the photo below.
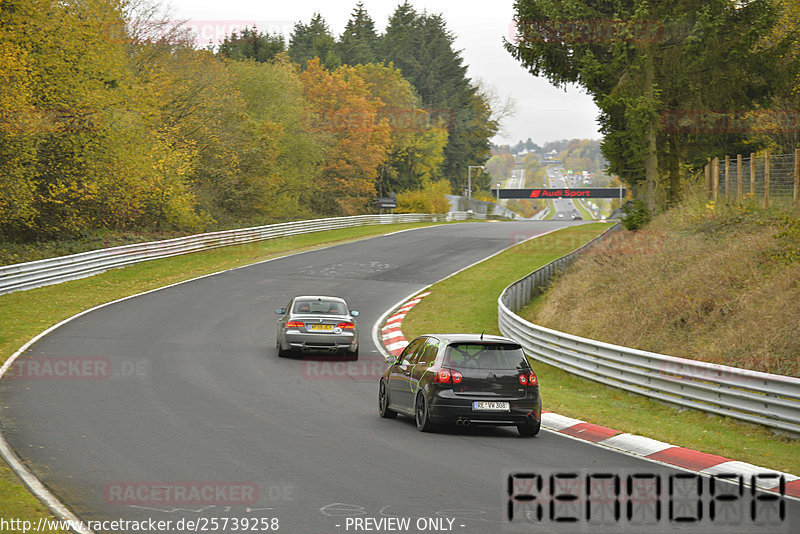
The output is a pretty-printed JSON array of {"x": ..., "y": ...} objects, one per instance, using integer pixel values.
[{"x": 445, "y": 408}]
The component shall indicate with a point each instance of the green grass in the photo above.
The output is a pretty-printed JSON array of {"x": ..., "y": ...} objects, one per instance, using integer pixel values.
[
  {"x": 583, "y": 210},
  {"x": 24, "y": 314},
  {"x": 551, "y": 205},
  {"x": 474, "y": 292},
  {"x": 551, "y": 210}
]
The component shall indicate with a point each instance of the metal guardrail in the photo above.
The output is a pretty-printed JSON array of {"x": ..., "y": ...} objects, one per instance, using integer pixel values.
[
  {"x": 40, "y": 273},
  {"x": 763, "y": 398}
]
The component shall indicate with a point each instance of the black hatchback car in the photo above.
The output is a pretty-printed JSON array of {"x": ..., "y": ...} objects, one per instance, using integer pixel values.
[{"x": 463, "y": 379}]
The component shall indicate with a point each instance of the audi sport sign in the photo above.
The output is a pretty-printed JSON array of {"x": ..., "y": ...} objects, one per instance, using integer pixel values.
[{"x": 591, "y": 192}]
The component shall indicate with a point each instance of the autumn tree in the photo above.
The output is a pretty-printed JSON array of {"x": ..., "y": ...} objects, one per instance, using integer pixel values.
[
  {"x": 417, "y": 138},
  {"x": 347, "y": 118}
]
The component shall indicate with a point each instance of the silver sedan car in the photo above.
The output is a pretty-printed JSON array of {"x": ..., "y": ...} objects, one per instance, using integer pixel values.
[{"x": 317, "y": 323}]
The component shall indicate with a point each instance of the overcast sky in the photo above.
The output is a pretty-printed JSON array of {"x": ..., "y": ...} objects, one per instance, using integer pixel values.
[{"x": 543, "y": 112}]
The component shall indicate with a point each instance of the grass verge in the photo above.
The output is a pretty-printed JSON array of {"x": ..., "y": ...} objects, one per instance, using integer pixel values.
[
  {"x": 583, "y": 210},
  {"x": 24, "y": 314},
  {"x": 716, "y": 283},
  {"x": 474, "y": 292}
]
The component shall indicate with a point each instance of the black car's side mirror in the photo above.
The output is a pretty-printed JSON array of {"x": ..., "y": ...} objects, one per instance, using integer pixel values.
[
  {"x": 390, "y": 360},
  {"x": 280, "y": 311}
]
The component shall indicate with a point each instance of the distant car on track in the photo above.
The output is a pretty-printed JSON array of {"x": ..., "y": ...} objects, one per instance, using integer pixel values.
[
  {"x": 560, "y": 215},
  {"x": 463, "y": 379},
  {"x": 317, "y": 323},
  {"x": 576, "y": 217}
]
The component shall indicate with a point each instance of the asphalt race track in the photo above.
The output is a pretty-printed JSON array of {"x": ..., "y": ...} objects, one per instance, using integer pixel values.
[{"x": 196, "y": 399}]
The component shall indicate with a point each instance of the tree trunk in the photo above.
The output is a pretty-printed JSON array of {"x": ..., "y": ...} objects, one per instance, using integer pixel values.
[
  {"x": 651, "y": 159},
  {"x": 674, "y": 170}
]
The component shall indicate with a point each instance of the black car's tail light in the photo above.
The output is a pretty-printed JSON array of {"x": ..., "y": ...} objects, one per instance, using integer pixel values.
[
  {"x": 447, "y": 376},
  {"x": 346, "y": 326},
  {"x": 294, "y": 324},
  {"x": 528, "y": 379}
]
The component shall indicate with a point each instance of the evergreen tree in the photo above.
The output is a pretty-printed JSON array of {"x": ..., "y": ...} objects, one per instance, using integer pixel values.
[
  {"x": 422, "y": 48},
  {"x": 314, "y": 40},
  {"x": 251, "y": 44},
  {"x": 359, "y": 42}
]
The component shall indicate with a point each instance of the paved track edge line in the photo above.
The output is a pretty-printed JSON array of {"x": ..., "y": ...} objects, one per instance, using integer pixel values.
[{"x": 36, "y": 486}]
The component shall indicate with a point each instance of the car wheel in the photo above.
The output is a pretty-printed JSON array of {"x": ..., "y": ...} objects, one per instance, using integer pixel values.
[
  {"x": 527, "y": 430},
  {"x": 353, "y": 355},
  {"x": 421, "y": 414},
  {"x": 383, "y": 402},
  {"x": 283, "y": 353}
]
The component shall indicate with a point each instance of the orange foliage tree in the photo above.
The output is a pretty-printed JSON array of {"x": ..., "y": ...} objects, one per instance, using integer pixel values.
[{"x": 357, "y": 138}]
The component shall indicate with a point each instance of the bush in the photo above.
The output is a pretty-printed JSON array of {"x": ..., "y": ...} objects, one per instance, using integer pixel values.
[
  {"x": 430, "y": 199},
  {"x": 636, "y": 215}
]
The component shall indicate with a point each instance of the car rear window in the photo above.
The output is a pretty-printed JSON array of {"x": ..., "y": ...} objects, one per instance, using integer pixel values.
[
  {"x": 485, "y": 356},
  {"x": 319, "y": 306}
]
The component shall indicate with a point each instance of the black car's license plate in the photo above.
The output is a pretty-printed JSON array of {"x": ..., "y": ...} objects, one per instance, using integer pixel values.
[{"x": 491, "y": 406}]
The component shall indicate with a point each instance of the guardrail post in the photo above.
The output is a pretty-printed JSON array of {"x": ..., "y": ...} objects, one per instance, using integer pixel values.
[{"x": 528, "y": 290}]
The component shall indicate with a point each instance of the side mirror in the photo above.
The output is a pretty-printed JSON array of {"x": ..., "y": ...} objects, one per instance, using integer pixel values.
[
  {"x": 280, "y": 311},
  {"x": 354, "y": 313},
  {"x": 390, "y": 360}
]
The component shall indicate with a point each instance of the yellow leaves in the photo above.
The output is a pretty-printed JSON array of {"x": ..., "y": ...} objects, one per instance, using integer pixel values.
[
  {"x": 429, "y": 199},
  {"x": 343, "y": 108}
]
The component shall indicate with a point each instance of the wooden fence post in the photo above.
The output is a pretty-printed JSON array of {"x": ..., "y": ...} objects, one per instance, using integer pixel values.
[
  {"x": 766, "y": 179},
  {"x": 727, "y": 177},
  {"x": 707, "y": 172},
  {"x": 714, "y": 179},
  {"x": 738, "y": 176},
  {"x": 752, "y": 174}
]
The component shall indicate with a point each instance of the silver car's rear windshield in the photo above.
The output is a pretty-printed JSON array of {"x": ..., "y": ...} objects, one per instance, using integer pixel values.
[
  {"x": 485, "y": 356},
  {"x": 319, "y": 306}
]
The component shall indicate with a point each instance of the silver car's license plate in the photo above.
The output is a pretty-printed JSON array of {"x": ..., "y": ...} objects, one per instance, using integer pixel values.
[
  {"x": 320, "y": 327},
  {"x": 491, "y": 406}
]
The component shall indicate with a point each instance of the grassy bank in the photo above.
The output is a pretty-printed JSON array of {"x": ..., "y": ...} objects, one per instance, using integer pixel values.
[
  {"x": 473, "y": 294},
  {"x": 717, "y": 283},
  {"x": 26, "y": 313}
]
